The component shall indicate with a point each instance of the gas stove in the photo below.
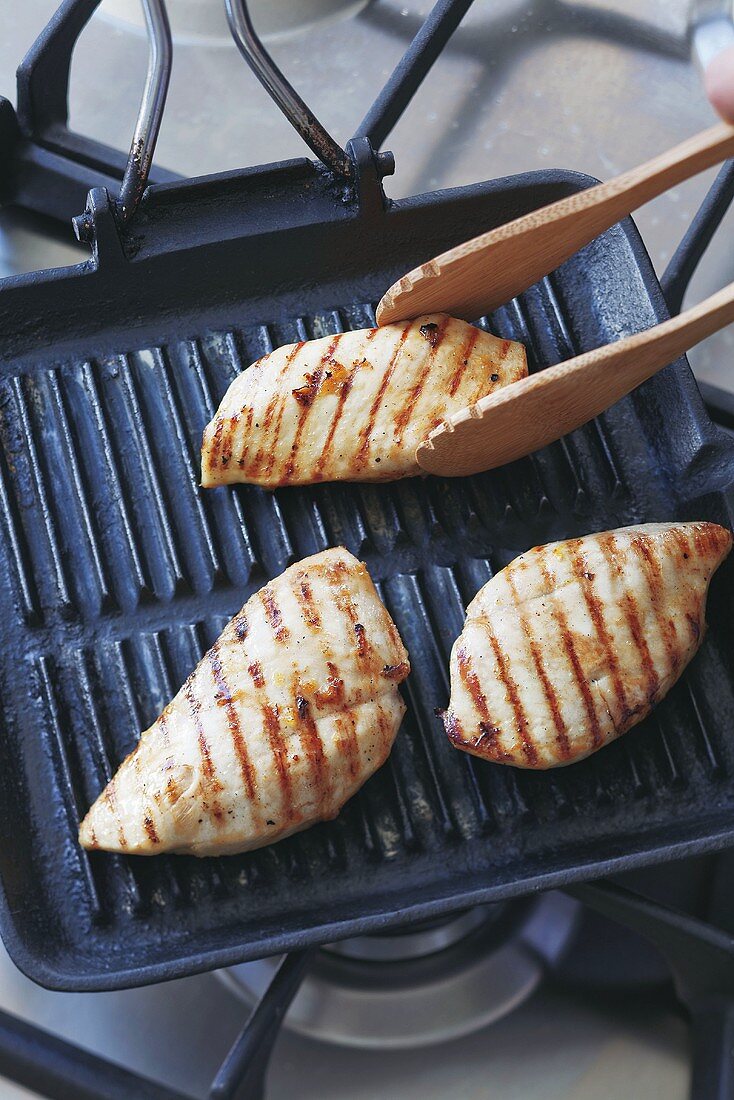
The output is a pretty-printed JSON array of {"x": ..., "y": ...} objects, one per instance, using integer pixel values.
[{"x": 558, "y": 995}]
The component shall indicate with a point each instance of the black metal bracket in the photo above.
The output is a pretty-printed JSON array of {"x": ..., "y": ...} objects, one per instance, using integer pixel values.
[
  {"x": 51, "y": 1067},
  {"x": 697, "y": 238},
  {"x": 412, "y": 69},
  {"x": 60, "y": 1070},
  {"x": 242, "y": 1073},
  {"x": 46, "y": 167},
  {"x": 701, "y": 959},
  {"x": 720, "y": 404}
]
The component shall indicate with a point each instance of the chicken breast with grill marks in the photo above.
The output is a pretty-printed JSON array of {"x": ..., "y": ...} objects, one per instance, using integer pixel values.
[
  {"x": 291, "y": 710},
  {"x": 573, "y": 643},
  {"x": 352, "y": 407}
]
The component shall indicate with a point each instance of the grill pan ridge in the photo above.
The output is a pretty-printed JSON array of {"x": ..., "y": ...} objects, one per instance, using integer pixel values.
[{"x": 116, "y": 572}]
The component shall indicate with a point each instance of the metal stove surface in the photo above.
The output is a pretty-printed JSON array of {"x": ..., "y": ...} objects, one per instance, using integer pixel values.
[
  {"x": 557, "y": 1046},
  {"x": 593, "y": 85},
  {"x": 596, "y": 85}
]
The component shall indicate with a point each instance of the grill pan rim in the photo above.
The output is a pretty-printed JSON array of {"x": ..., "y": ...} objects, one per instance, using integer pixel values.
[
  {"x": 37, "y": 968},
  {"x": 62, "y": 981}
]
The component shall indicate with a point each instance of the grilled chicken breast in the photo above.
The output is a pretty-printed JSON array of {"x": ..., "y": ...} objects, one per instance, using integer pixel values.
[
  {"x": 352, "y": 407},
  {"x": 574, "y": 642},
  {"x": 291, "y": 710}
]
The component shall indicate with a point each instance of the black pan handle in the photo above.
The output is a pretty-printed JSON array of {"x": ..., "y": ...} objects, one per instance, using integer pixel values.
[
  {"x": 697, "y": 237},
  {"x": 43, "y": 90},
  {"x": 43, "y": 74}
]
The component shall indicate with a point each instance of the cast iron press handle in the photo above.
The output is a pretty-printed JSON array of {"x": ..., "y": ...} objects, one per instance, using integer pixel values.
[
  {"x": 43, "y": 93},
  {"x": 150, "y": 115},
  {"x": 147, "y": 127},
  {"x": 293, "y": 107},
  {"x": 441, "y": 22}
]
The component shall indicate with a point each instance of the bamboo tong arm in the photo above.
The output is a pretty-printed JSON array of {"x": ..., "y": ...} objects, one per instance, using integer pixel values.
[
  {"x": 533, "y": 412},
  {"x": 484, "y": 273}
]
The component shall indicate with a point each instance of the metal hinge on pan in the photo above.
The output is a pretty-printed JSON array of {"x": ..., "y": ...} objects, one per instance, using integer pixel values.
[{"x": 49, "y": 169}]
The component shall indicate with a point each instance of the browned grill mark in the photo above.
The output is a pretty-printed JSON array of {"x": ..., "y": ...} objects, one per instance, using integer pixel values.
[
  {"x": 337, "y": 568},
  {"x": 715, "y": 539},
  {"x": 211, "y": 779},
  {"x": 506, "y": 345},
  {"x": 244, "y": 447},
  {"x": 464, "y": 357},
  {"x": 240, "y": 626},
  {"x": 366, "y": 432},
  {"x": 280, "y": 758},
  {"x": 233, "y": 722},
  {"x": 306, "y": 409},
  {"x": 348, "y": 745},
  {"x": 397, "y": 672},
  {"x": 723, "y": 539},
  {"x": 334, "y": 692},
  {"x": 559, "y": 615},
  {"x": 564, "y": 748},
  {"x": 653, "y": 571},
  {"x": 631, "y": 613},
  {"x": 150, "y": 829},
  {"x": 304, "y": 595},
  {"x": 403, "y": 418},
  {"x": 383, "y": 727},
  {"x": 513, "y": 696},
  {"x": 345, "y": 604},
  {"x": 701, "y": 540},
  {"x": 226, "y": 453},
  {"x": 344, "y": 392},
  {"x": 215, "y": 443},
  {"x": 256, "y": 672},
  {"x": 273, "y": 614},
  {"x": 596, "y": 614},
  {"x": 268, "y": 450},
  {"x": 314, "y": 750},
  {"x": 173, "y": 790},
  {"x": 137, "y": 760},
  {"x": 306, "y": 394},
  {"x": 681, "y": 540},
  {"x": 109, "y": 795},
  {"x": 363, "y": 646},
  {"x": 489, "y": 732}
]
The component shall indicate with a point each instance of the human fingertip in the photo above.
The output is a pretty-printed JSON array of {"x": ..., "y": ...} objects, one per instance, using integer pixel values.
[{"x": 719, "y": 83}]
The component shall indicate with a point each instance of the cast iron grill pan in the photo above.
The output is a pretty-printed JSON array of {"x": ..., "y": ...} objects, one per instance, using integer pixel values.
[{"x": 117, "y": 572}]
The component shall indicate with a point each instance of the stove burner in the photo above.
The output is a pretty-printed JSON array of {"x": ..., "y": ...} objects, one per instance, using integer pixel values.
[{"x": 427, "y": 983}]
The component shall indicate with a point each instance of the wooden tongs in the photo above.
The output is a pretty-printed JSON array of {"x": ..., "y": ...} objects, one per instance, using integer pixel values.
[{"x": 476, "y": 277}]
